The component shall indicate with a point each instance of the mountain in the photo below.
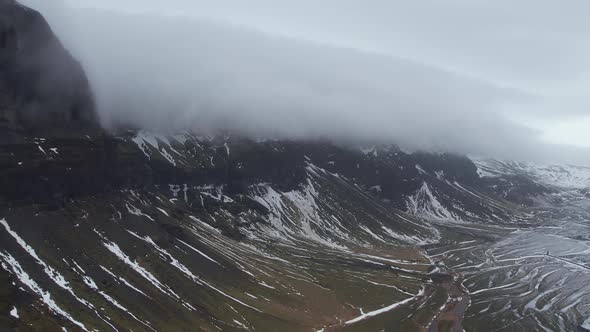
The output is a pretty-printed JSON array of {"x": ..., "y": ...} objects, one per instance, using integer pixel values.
[
  {"x": 229, "y": 232},
  {"x": 138, "y": 231},
  {"x": 554, "y": 177}
]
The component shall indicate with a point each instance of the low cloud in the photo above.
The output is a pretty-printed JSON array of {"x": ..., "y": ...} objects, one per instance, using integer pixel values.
[{"x": 170, "y": 73}]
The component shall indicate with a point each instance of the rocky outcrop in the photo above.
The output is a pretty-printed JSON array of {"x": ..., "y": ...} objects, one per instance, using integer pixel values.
[{"x": 42, "y": 87}]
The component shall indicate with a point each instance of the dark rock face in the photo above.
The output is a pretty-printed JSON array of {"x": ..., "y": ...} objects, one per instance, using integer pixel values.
[
  {"x": 42, "y": 87},
  {"x": 79, "y": 166}
]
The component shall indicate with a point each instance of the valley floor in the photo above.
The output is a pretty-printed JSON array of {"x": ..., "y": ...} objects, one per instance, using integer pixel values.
[{"x": 534, "y": 278}]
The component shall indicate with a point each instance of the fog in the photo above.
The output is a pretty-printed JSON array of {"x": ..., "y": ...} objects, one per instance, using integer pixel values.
[{"x": 341, "y": 70}]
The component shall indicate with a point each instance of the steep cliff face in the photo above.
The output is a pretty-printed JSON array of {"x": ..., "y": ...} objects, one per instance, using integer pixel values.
[{"x": 42, "y": 87}]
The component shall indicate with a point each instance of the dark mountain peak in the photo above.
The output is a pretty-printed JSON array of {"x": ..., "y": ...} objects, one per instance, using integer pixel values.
[{"x": 42, "y": 87}]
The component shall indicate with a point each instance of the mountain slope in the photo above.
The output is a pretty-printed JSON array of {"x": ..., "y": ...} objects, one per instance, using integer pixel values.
[
  {"x": 561, "y": 176},
  {"x": 224, "y": 232},
  {"x": 204, "y": 252}
]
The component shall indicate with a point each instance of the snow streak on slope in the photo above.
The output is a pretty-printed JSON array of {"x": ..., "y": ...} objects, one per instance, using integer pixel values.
[
  {"x": 116, "y": 250},
  {"x": 148, "y": 142},
  {"x": 425, "y": 205},
  {"x": 384, "y": 309},
  {"x": 327, "y": 219},
  {"x": 9, "y": 263},
  {"x": 293, "y": 213}
]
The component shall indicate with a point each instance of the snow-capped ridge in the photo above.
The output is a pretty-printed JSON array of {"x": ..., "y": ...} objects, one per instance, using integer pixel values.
[{"x": 562, "y": 176}]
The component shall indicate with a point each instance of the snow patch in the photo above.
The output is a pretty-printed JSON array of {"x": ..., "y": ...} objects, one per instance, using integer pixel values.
[{"x": 14, "y": 313}]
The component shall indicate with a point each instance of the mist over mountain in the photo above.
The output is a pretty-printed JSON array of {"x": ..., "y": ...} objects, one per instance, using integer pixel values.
[{"x": 169, "y": 72}]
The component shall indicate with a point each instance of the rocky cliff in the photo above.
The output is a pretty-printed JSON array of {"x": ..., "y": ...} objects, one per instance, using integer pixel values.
[{"x": 42, "y": 87}]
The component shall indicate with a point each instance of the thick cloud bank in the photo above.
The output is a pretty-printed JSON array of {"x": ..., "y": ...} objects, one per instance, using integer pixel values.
[{"x": 168, "y": 73}]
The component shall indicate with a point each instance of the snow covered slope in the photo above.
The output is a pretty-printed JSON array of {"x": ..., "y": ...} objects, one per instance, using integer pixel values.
[{"x": 562, "y": 176}]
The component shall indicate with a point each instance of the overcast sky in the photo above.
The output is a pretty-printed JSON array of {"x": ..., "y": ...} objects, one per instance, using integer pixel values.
[{"x": 501, "y": 78}]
